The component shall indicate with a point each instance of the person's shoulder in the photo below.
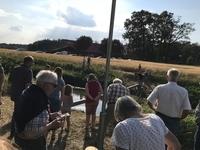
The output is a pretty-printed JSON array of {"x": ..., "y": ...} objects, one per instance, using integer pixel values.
[
  {"x": 182, "y": 88},
  {"x": 111, "y": 85},
  {"x": 121, "y": 124},
  {"x": 154, "y": 117},
  {"x": 160, "y": 86},
  {"x": 151, "y": 115}
]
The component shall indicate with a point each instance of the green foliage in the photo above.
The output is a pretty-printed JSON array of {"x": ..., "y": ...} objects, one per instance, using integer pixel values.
[
  {"x": 74, "y": 75},
  {"x": 151, "y": 36},
  {"x": 72, "y": 72},
  {"x": 83, "y": 43},
  {"x": 117, "y": 48},
  {"x": 188, "y": 128}
]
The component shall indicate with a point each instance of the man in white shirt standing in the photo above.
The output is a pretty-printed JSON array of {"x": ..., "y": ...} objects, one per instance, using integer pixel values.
[{"x": 170, "y": 101}]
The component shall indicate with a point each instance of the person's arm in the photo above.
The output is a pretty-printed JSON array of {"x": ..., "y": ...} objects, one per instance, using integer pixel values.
[
  {"x": 54, "y": 115},
  {"x": 54, "y": 124},
  {"x": 62, "y": 93},
  {"x": 121, "y": 138},
  {"x": 99, "y": 93},
  {"x": 185, "y": 113},
  {"x": 186, "y": 106},
  {"x": 172, "y": 142},
  {"x": 153, "y": 107},
  {"x": 87, "y": 91},
  {"x": 152, "y": 99},
  {"x": 29, "y": 78},
  {"x": 197, "y": 114}
]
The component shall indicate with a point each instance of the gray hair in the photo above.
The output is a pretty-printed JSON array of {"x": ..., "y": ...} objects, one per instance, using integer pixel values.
[
  {"x": 124, "y": 106},
  {"x": 46, "y": 76},
  {"x": 173, "y": 74}
]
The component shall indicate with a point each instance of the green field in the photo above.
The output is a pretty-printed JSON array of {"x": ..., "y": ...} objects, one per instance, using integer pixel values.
[{"x": 124, "y": 69}]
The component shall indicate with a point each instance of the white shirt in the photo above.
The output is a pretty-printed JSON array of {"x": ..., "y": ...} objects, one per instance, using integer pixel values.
[
  {"x": 140, "y": 133},
  {"x": 171, "y": 99}
]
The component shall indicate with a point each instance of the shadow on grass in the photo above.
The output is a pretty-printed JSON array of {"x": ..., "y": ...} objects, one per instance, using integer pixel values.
[
  {"x": 5, "y": 128},
  {"x": 90, "y": 138},
  {"x": 60, "y": 142}
]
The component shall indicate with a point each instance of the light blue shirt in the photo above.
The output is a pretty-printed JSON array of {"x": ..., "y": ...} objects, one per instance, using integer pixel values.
[{"x": 57, "y": 92}]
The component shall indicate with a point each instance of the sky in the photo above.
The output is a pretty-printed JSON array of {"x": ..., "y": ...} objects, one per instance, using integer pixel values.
[{"x": 26, "y": 21}]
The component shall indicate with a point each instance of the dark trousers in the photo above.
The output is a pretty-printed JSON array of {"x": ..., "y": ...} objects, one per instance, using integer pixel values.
[
  {"x": 109, "y": 116},
  {"x": 173, "y": 124},
  {"x": 197, "y": 139},
  {"x": 36, "y": 144}
]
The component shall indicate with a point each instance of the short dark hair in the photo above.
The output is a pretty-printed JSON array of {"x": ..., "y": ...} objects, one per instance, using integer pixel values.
[{"x": 28, "y": 59}]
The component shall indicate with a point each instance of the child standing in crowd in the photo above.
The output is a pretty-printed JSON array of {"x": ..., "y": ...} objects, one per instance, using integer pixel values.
[{"x": 67, "y": 101}]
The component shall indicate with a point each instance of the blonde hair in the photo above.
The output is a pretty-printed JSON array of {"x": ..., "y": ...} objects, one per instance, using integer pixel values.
[
  {"x": 124, "y": 106},
  {"x": 6, "y": 145}
]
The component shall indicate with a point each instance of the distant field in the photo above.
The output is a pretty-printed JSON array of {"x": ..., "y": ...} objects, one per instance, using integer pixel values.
[{"x": 127, "y": 65}]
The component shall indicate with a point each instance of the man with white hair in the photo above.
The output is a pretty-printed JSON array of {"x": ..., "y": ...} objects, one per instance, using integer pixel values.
[
  {"x": 114, "y": 91},
  {"x": 32, "y": 116},
  {"x": 170, "y": 101}
]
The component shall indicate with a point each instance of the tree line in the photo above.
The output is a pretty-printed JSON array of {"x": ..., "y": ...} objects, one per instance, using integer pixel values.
[{"x": 150, "y": 36}]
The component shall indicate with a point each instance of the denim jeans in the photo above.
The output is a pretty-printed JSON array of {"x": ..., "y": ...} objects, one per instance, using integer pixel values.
[{"x": 197, "y": 139}]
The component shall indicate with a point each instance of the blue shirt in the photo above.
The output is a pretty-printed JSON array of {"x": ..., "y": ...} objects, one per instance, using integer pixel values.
[{"x": 57, "y": 91}]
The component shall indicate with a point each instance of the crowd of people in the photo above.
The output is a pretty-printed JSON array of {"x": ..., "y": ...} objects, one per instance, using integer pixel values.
[{"x": 45, "y": 105}]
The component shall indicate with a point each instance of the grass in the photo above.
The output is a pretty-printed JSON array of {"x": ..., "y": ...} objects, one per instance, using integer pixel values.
[
  {"x": 126, "y": 65},
  {"x": 124, "y": 69}
]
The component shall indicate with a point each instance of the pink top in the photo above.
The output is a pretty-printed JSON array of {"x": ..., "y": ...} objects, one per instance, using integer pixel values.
[{"x": 94, "y": 89}]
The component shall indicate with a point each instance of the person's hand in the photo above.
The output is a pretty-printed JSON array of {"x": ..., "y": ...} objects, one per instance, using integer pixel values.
[
  {"x": 55, "y": 115},
  {"x": 56, "y": 123}
]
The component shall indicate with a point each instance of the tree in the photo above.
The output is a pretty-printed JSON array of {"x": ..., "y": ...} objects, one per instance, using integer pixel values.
[
  {"x": 83, "y": 42},
  {"x": 146, "y": 32},
  {"x": 117, "y": 47}
]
